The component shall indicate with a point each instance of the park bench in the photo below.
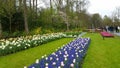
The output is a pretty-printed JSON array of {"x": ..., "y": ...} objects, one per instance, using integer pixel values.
[{"x": 106, "y": 34}]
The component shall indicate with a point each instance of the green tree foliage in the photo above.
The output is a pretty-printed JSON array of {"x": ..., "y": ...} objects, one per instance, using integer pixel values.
[
  {"x": 116, "y": 16},
  {"x": 9, "y": 9},
  {"x": 27, "y": 17},
  {"x": 96, "y": 20},
  {"x": 107, "y": 21}
]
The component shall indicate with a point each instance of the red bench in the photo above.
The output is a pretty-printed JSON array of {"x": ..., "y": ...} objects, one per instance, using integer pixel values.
[{"x": 106, "y": 34}]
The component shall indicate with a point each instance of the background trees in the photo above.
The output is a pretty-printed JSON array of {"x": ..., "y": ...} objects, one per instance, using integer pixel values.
[
  {"x": 20, "y": 17},
  {"x": 116, "y": 16},
  {"x": 96, "y": 20}
]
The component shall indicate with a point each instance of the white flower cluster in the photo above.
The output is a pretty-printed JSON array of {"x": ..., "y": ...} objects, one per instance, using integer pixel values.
[{"x": 13, "y": 45}]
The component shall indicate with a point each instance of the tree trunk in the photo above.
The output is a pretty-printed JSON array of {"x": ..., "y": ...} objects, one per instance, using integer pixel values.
[
  {"x": 33, "y": 10},
  {"x": 51, "y": 10},
  {"x": 25, "y": 17},
  {"x": 50, "y": 4},
  {"x": 67, "y": 14},
  {"x": 33, "y": 4},
  {"x": 36, "y": 8},
  {"x": 10, "y": 27},
  {"x": 30, "y": 5},
  {"x": 0, "y": 30},
  {"x": 67, "y": 26},
  {"x": 20, "y": 5}
]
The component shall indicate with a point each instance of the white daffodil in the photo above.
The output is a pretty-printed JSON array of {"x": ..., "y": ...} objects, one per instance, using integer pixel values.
[
  {"x": 25, "y": 66},
  {"x": 0, "y": 46},
  {"x": 37, "y": 61},
  {"x": 10, "y": 47}
]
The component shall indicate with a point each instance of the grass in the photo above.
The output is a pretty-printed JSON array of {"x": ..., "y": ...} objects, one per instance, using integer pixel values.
[
  {"x": 27, "y": 57},
  {"x": 102, "y": 53}
]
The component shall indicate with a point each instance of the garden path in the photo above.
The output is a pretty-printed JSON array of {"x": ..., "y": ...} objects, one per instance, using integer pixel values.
[{"x": 118, "y": 34}]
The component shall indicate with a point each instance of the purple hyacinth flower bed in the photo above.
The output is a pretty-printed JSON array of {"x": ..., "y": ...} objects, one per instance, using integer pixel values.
[{"x": 68, "y": 56}]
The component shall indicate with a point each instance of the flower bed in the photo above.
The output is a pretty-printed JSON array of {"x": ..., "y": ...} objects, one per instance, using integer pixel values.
[
  {"x": 72, "y": 34},
  {"x": 12, "y": 45},
  {"x": 68, "y": 56}
]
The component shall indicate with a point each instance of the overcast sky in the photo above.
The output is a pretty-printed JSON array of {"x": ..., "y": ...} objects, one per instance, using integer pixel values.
[{"x": 103, "y": 7}]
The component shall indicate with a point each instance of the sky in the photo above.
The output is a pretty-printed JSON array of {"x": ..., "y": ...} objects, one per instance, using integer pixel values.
[{"x": 103, "y": 7}]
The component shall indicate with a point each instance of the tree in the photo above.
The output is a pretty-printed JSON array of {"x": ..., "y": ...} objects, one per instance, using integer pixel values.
[
  {"x": 81, "y": 8},
  {"x": 33, "y": 4},
  {"x": 36, "y": 7},
  {"x": 118, "y": 13},
  {"x": 25, "y": 17},
  {"x": 107, "y": 21},
  {"x": 30, "y": 5},
  {"x": 116, "y": 16},
  {"x": 96, "y": 20},
  {"x": 81, "y": 5},
  {"x": 1, "y": 14},
  {"x": 9, "y": 10},
  {"x": 58, "y": 14}
]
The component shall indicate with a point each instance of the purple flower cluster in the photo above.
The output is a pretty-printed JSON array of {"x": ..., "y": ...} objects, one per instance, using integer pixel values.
[{"x": 68, "y": 56}]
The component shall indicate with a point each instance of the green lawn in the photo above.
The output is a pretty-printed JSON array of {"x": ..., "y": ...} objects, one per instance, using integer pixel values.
[
  {"x": 102, "y": 53},
  {"x": 27, "y": 57}
]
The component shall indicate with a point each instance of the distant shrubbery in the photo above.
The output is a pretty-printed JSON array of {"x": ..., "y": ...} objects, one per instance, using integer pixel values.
[{"x": 73, "y": 34}]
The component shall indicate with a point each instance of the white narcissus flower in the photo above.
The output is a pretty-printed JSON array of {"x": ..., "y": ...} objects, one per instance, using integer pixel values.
[
  {"x": 45, "y": 55},
  {"x": 2, "y": 43},
  {"x": 25, "y": 47},
  {"x": 53, "y": 53},
  {"x": 0, "y": 46},
  {"x": 3, "y": 47},
  {"x": 37, "y": 61},
  {"x": 18, "y": 45},
  {"x": 29, "y": 45},
  {"x": 42, "y": 56},
  {"x": 10, "y": 47},
  {"x": 28, "y": 39},
  {"x": 25, "y": 66}
]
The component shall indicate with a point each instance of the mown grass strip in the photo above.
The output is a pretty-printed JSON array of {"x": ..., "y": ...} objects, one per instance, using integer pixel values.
[
  {"x": 27, "y": 57},
  {"x": 102, "y": 53}
]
